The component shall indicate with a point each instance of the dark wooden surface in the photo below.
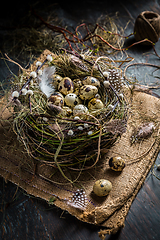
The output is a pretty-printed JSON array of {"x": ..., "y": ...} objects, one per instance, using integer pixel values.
[{"x": 25, "y": 217}]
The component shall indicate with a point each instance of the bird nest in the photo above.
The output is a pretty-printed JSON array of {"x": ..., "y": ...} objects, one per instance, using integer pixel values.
[{"x": 70, "y": 110}]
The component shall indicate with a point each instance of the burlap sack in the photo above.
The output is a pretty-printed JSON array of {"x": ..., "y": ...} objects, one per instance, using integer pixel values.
[{"x": 110, "y": 212}]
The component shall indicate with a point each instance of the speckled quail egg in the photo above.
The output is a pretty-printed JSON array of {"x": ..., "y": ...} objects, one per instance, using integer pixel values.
[
  {"x": 116, "y": 163},
  {"x": 66, "y": 111},
  {"x": 89, "y": 80},
  {"x": 56, "y": 99},
  {"x": 79, "y": 109},
  {"x": 59, "y": 94},
  {"x": 87, "y": 92},
  {"x": 76, "y": 91},
  {"x": 77, "y": 83},
  {"x": 102, "y": 187},
  {"x": 56, "y": 79},
  {"x": 95, "y": 103},
  {"x": 66, "y": 86},
  {"x": 72, "y": 100}
]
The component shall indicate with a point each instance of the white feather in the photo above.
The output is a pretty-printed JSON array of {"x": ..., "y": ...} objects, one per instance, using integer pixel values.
[{"x": 45, "y": 81}]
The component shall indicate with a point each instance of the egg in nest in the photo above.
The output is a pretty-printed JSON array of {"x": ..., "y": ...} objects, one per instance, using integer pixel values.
[
  {"x": 80, "y": 109},
  {"x": 72, "y": 100},
  {"x": 95, "y": 104},
  {"x": 66, "y": 86},
  {"x": 87, "y": 92},
  {"x": 77, "y": 83},
  {"x": 56, "y": 99},
  {"x": 55, "y": 80},
  {"x": 89, "y": 80}
]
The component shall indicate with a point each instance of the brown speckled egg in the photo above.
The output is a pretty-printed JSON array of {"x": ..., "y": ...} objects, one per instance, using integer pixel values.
[
  {"x": 55, "y": 80},
  {"x": 87, "y": 92},
  {"x": 66, "y": 86},
  {"x": 76, "y": 91},
  {"x": 72, "y": 100},
  {"x": 116, "y": 163},
  {"x": 91, "y": 81},
  {"x": 56, "y": 99},
  {"x": 102, "y": 187},
  {"x": 77, "y": 83},
  {"x": 95, "y": 104}
]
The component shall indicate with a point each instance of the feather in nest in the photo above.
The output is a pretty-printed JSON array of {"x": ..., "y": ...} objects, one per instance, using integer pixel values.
[{"x": 45, "y": 81}]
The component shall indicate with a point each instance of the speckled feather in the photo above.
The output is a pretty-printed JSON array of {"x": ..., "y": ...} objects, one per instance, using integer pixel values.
[
  {"x": 115, "y": 79},
  {"x": 143, "y": 131},
  {"x": 78, "y": 200}
]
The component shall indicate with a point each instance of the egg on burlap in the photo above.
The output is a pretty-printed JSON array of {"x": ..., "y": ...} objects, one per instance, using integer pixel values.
[
  {"x": 116, "y": 163},
  {"x": 102, "y": 187}
]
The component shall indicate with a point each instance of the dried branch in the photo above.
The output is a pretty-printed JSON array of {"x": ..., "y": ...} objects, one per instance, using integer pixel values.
[{"x": 75, "y": 39}]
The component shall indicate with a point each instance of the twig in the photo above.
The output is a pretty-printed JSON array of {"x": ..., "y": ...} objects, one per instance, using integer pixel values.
[
  {"x": 29, "y": 97},
  {"x": 12, "y": 61},
  {"x": 90, "y": 35},
  {"x": 20, "y": 91},
  {"x": 133, "y": 64},
  {"x": 57, "y": 152}
]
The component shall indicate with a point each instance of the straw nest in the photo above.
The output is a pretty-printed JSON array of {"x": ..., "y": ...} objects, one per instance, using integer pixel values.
[{"x": 56, "y": 134}]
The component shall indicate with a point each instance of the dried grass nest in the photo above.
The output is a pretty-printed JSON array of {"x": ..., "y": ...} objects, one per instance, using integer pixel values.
[{"x": 54, "y": 136}]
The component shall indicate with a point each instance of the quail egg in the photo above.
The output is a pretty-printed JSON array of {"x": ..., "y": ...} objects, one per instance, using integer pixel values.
[
  {"x": 77, "y": 83},
  {"x": 66, "y": 86},
  {"x": 79, "y": 109},
  {"x": 116, "y": 163},
  {"x": 72, "y": 100},
  {"x": 56, "y": 79},
  {"x": 87, "y": 92},
  {"x": 58, "y": 93},
  {"x": 76, "y": 91},
  {"x": 95, "y": 104},
  {"x": 56, "y": 99},
  {"x": 91, "y": 81},
  {"x": 102, "y": 187}
]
